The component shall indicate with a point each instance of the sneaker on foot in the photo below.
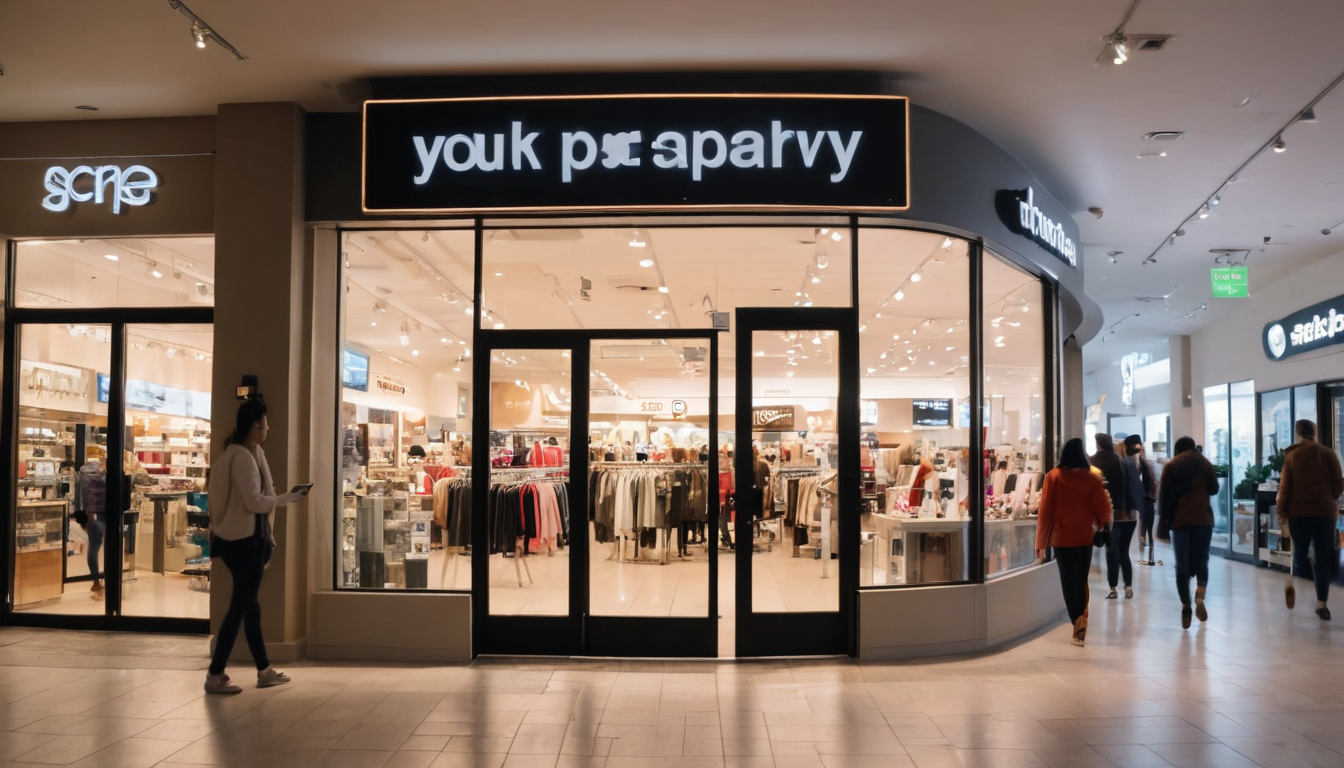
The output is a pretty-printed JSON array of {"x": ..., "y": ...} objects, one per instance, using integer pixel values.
[
  {"x": 1200, "y": 612},
  {"x": 220, "y": 684},
  {"x": 1290, "y": 595},
  {"x": 1112, "y": 594},
  {"x": 1186, "y": 613},
  {"x": 271, "y": 676},
  {"x": 1129, "y": 593},
  {"x": 1076, "y": 640},
  {"x": 1324, "y": 613}
]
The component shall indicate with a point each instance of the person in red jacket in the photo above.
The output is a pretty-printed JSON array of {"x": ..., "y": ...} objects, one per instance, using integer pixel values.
[{"x": 1074, "y": 506}]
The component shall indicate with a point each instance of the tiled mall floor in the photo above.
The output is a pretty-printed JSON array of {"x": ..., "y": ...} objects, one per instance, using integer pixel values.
[{"x": 1257, "y": 685}]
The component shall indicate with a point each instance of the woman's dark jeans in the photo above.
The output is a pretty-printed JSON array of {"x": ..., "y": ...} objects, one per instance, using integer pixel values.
[
  {"x": 1075, "y": 563},
  {"x": 96, "y": 530},
  {"x": 1191, "y": 546},
  {"x": 1117, "y": 553},
  {"x": 246, "y": 560}
]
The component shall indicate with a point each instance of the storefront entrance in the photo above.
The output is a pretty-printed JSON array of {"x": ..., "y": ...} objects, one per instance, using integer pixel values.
[{"x": 611, "y": 515}]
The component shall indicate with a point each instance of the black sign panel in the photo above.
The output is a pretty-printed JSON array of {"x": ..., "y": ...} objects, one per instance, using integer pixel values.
[
  {"x": 772, "y": 418},
  {"x": 637, "y": 152},
  {"x": 1320, "y": 325}
]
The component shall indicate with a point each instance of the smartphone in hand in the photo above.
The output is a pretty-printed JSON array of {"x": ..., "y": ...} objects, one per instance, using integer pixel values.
[{"x": 302, "y": 488}]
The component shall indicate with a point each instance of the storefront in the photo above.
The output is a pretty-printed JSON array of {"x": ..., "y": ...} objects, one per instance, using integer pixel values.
[
  {"x": 766, "y": 372},
  {"x": 107, "y": 373}
]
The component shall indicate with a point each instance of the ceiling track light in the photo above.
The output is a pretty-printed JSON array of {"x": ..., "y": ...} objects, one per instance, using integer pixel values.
[
  {"x": 201, "y": 30},
  {"x": 1279, "y": 145}
]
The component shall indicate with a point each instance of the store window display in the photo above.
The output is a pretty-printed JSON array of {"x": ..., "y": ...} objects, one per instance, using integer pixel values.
[
  {"x": 1014, "y": 388},
  {"x": 914, "y": 312},
  {"x": 406, "y": 403}
]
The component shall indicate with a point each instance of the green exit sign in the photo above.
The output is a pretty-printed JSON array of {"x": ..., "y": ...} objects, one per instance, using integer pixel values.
[{"x": 1230, "y": 283}]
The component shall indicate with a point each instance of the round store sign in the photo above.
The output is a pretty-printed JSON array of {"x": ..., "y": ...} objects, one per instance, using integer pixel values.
[
  {"x": 1306, "y": 330},
  {"x": 1277, "y": 340}
]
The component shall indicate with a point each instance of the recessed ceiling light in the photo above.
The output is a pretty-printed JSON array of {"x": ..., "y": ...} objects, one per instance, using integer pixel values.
[
  {"x": 1145, "y": 155},
  {"x": 646, "y": 263}
]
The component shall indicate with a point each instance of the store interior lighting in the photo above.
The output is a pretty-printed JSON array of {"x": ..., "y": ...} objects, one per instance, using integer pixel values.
[{"x": 202, "y": 31}]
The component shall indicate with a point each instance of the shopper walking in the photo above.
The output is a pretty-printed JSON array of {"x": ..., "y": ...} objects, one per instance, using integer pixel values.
[
  {"x": 1309, "y": 491},
  {"x": 1147, "y": 500},
  {"x": 1074, "y": 506},
  {"x": 242, "y": 506},
  {"x": 1113, "y": 472},
  {"x": 1186, "y": 519}
]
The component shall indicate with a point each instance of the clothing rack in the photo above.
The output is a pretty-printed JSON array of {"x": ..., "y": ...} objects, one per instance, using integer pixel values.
[
  {"x": 649, "y": 465},
  {"x": 519, "y": 476},
  {"x": 621, "y": 536}
]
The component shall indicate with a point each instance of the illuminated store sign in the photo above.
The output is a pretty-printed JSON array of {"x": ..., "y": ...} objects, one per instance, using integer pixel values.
[
  {"x": 133, "y": 185},
  {"x": 1306, "y": 330},
  {"x": 1018, "y": 210},
  {"x": 1230, "y": 282},
  {"x": 772, "y": 419},
  {"x": 637, "y": 152},
  {"x": 388, "y": 385}
]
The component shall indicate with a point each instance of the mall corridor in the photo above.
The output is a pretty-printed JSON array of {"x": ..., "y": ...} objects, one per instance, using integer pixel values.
[{"x": 1255, "y": 686}]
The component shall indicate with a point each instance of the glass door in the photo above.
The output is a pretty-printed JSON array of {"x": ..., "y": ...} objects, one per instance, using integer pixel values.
[
  {"x": 792, "y": 521},
  {"x": 527, "y": 561},
  {"x": 652, "y": 564}
]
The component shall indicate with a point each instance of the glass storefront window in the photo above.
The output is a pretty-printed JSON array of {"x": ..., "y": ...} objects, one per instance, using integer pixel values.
[
  {"x": 1218, "y": 450},
  {"x": 125, "y": 272},
  {"x": 915, "y": 363},
  {"x": 1304, "y": 407},
  {"x": 1014, "y": 370},
  {"x": 1276, "y": 423},
  {"x": 1245, "y": 471},
  {"x": 406, "y": 403},
  {"x": 656, "y": 278}
]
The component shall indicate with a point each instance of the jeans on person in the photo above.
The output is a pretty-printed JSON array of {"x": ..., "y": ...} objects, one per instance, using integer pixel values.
[
  {"x": 1191, "y": 546},
  {"x": 246, "y": 560},
  {"x": 96, "y": 529},
  {"x": 1075, "y": 563},
  {"x": 1319, "y": 532},
  {"x": 1117, "y": 553},
  {"x": 1147, "y": 516}
]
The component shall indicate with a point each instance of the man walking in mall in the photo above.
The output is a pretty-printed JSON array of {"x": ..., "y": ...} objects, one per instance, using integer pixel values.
[
  {"x": 1112, "y": 470},
  {"x": 1185, "y": 517},
  {"x": 1308, "y": 504}
]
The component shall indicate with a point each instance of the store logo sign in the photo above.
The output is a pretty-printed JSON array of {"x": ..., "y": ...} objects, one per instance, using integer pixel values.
[
  {"x": 772, "y": 419},
  {"x": 1316, "y": 327},
  {"x": 1018, "y": 210},
  {"x": 637, "y": 151},
  {"x": 133, "y": 185},
  {"x": 388, "y": 385}
]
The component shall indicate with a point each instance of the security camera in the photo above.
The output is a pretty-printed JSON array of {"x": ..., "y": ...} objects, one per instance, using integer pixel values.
[
  {"x": 1098, "y": 212},
  {"x": 1266, "y": 239}
]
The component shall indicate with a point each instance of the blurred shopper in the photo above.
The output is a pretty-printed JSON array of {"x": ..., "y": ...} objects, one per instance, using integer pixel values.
[
  {"x": 1309, "y": 491},
  {"x": 1074, "y": 506},
  {"x": 1186, "y": 519},
  {"x": 1147, "y": 502},
  {"x": 1113, "y": 472}
]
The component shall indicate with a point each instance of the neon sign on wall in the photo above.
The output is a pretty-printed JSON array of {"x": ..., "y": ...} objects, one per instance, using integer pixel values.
[{"x": 133, "y": 185}]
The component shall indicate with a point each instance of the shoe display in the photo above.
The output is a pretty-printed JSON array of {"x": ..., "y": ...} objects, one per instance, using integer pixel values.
[
  {"x": 1129, "y": 593},
  {"x": 220, "y": 684},
  {"x": 1290, "y": 595},
  {"x": 271, "y": 676},
  {"x": 1186, "y": 614}
]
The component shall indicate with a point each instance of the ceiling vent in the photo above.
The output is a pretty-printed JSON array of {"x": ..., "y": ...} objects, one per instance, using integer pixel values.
[
  {"x": 1148, "y": 42},
  {"x": 1165, "y": 137}
]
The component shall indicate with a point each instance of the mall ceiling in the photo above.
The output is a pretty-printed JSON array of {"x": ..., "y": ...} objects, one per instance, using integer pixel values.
[{"x": 1023, "y": 73}]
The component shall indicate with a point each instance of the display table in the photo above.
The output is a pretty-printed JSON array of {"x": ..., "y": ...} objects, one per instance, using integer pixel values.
[
  {"x": 1009, "y": 543},
  {"x": 161, "y": 504},
  {"x": 39, "y": 563},
  {"x": 922, "y": 550}
]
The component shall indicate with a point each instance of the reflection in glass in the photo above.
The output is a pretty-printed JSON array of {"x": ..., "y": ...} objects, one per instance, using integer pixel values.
[
  {"x": 795, "y": 457},
  {"x": 60, "y": 513},
  {"x": 528, "y": 514},
  {"x": 648, "y": 438},
  {"x": 915, "y": 357},
  {"x": 1218, "y": 450},
  {"x": 1014, "y": 421},
  {"x": 1245, "y": 470},
  {"x": 405, "y": 418},
  {"x": 167, "y": 543}
]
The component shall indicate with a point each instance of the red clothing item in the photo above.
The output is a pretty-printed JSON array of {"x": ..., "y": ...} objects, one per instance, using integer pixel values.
[
  {"x": 1074, "y": 505},
  {"x": 917, "y": 487}
]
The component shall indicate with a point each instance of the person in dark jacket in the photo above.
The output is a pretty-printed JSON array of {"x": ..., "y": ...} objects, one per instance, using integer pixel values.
[
  {"x": 1074, "y": 506},
  {"x": 1185, "y": 517},
  {"x": 1147, "y": 501},
  {"x": 1112, "y": 470},
  {"x": 1308, "y": 503}
]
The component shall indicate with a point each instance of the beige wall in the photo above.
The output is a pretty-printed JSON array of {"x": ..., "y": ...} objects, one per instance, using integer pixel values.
[
  {"x": 264, "y": 290},
  {"x": 181, "y": 151}
]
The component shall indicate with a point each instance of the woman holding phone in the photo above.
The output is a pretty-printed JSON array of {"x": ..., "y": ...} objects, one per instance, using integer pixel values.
[{"x": 242, "y": 510}]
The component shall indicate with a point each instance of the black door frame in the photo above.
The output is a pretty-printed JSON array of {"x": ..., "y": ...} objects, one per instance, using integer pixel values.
[
  {"x": 813, "y": 633},
  {"x": 579, "y": 633},
  {"x": 117, "y": 319}
]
